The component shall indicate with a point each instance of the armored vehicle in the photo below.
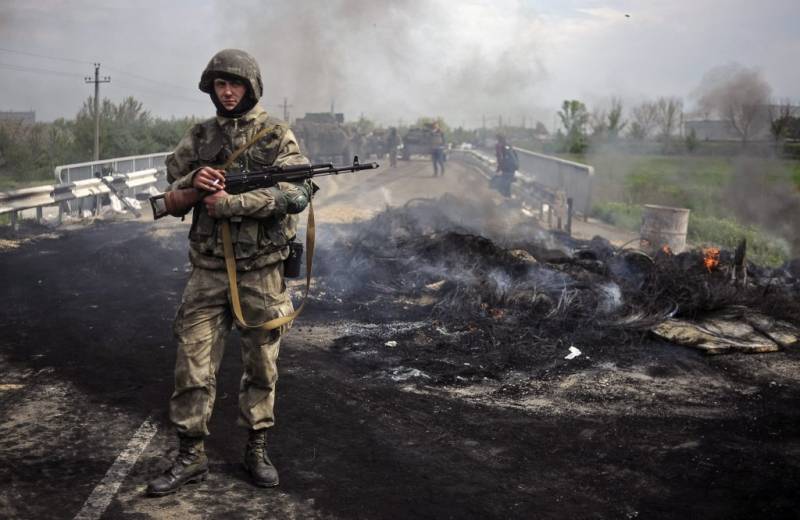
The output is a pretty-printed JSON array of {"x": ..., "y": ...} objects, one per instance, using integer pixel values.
[
  {"x": 417, "y": 141},
  {"x": 324, "y": 138}
]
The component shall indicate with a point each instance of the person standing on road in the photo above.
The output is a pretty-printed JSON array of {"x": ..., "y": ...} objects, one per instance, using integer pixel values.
[
  {"x": 438, "y": 144},
  {"x": 507, "y": 165},
  {"x": 262, "y": 222},
  {"x": 392, "y": 142}
]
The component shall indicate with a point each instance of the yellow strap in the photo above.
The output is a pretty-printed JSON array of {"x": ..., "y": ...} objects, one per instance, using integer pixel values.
[
  {"x": 235, "y": 155},
  {"x": 230, "y": 266},
  {"x": 230, "y": 258}
]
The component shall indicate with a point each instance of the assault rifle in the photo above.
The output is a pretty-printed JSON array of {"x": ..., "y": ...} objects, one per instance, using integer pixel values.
[{"x": 177, "y": 202}]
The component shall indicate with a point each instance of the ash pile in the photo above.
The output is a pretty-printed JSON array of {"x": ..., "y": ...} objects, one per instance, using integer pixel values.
[{"x": 426, "y": 280}]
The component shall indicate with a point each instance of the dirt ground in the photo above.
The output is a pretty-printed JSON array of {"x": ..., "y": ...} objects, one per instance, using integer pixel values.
[{"x": 374, "y": 422}]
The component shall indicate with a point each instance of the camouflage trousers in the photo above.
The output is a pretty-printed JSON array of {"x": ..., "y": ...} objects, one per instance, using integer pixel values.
[{"x": 202, "y": 324}]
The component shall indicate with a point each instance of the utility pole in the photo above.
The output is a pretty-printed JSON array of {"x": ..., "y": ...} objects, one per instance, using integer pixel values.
[
  {"x": 286, "y": 108},
  {"x": 97, "y": 82}
]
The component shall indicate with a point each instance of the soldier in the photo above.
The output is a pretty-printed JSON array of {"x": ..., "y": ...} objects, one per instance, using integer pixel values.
[
  {"x": 392, "y": 142},
  {"x": 507, "y": 165},
  {"x": 438, "y": 144},
  {"x": 262, "y": 222}
]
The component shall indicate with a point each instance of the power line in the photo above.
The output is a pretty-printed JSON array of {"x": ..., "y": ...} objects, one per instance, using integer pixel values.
[
  {"x": 23, "y": 68},
  {"x": 144, "y": 78},
  {"x": 83, "y": 62},
  {"x": 113, "y": 69},
  {"x": 161, "y": 93}
]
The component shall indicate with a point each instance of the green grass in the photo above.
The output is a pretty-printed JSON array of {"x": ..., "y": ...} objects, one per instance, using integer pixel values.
[
  {"x": 705, "y": 231},
  {"x": 712, "y": 187},
  {"x": 9, "y": 184}
]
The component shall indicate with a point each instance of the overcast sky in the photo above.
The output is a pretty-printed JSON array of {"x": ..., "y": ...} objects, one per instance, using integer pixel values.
[{"x": 392, "y": 61}]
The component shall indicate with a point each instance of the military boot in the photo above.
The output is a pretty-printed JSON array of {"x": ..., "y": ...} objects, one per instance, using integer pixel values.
[
  {"x": 256, "y": 461},
  {"x": 190, "y": 465}
]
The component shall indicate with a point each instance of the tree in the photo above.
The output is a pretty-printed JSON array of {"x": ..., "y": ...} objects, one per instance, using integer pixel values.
[
  {"x": 30, "y": 152},
  {"x": 615, "y": 123},
  {"x": 669, "y": 115},
  {"x": 645, "y": 119},
  {"x": 597, "y": 122},
  {"x": 574, "y": 117},
  {"x": 738, "y": 95}
]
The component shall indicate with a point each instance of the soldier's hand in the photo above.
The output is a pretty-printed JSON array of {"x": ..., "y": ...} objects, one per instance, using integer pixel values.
[
  {"x": 211, "y": 201},
  {"x": 209, "y": 179}
]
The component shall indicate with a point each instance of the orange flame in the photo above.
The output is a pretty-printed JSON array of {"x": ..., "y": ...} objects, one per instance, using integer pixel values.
[
  {"x": 711, "y": 258},
  {"x": 666, "y": 250}
]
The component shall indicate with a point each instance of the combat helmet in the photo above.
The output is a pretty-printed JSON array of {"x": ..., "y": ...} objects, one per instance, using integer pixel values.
[{"x": 233, "y": 62}]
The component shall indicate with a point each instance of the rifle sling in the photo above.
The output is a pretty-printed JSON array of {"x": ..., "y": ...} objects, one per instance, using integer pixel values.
[
  {"x": 230, "y": 266},
  {"x": 230, "y": 258}
]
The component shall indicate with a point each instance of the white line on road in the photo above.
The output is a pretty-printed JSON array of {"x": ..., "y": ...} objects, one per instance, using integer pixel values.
[{"x": 104, "y": 492}]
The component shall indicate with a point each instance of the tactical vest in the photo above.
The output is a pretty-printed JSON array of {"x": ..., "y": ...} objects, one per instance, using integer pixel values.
[{"x": 256, "y": 242}]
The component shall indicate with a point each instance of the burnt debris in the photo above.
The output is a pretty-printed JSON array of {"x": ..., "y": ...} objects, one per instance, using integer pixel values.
[{"x": 525, "y": 287}]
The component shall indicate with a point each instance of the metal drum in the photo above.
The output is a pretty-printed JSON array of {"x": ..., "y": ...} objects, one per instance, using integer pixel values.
[{"x": 664, "y": 226}]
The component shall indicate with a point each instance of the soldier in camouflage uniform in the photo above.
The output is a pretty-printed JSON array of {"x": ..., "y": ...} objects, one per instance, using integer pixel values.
[{"x": 263, "y": 222}]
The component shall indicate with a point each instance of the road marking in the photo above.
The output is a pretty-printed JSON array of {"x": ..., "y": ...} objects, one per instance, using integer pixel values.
[{"x": 104, "y": 492}]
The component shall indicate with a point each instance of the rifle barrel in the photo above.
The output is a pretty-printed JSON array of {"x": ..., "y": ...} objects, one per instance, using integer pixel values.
[{"x": 296, "y": 172}]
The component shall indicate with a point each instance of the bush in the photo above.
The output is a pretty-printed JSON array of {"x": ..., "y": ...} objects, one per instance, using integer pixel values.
[{"x": 727, "y": 233}]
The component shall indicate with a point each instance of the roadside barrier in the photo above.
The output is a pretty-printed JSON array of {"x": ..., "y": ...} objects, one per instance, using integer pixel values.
[
  {"x": 553, "y": 183},
  {"x": 61, "y": 195}
]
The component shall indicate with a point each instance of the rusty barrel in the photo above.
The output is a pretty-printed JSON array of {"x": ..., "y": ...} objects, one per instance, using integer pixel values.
[{"x": 664, "y": 226}]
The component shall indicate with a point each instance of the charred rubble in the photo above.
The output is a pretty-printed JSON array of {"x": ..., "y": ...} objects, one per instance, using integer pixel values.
[{"x": 502, "y": 300}]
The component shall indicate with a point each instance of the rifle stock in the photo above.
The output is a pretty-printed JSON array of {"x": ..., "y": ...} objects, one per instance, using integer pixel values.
[{"x": 176, "y": 203}]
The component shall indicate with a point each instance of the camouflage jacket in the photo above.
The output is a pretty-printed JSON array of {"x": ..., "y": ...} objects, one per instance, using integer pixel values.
[{"x": 263, "y": 221}]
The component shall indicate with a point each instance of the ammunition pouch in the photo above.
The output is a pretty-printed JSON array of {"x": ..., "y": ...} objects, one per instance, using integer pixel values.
[{"x": 291, "y": 266}]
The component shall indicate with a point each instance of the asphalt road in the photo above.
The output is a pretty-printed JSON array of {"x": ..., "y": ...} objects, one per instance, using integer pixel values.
[{"x": 626, "y": 432}]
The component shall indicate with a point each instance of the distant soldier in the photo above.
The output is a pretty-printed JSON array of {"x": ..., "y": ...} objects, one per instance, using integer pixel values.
[
  {"x": 438, "y": 146},
  {"x": 392, "y": 142},
  {"x": 507, "y": 165}
]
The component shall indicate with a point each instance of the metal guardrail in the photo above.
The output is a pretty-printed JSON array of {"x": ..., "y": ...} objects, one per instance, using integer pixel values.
[
  {"x": 77, "y": 187},
  {"x": 554, "y": 204},
  {"x": 557, "y": 174},
  {"x": 87, "y": 170},
  {"x": 14, "y": 202}
]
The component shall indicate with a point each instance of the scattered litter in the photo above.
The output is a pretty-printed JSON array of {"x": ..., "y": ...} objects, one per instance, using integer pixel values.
[
  {"x": 406, "y": 373},
  {"x": 391, "y": 343},
  {"x": 751, "y": 332},
  {"x": 10, "y": 386},
  {"x": 435, "y": 286},
  {"x": 573, "y": 353}
]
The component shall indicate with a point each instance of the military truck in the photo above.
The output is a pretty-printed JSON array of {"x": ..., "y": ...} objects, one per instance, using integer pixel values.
[
  {"x": 323, "y": 137},
  {"x": 417, "y": 141},
  {"x": 375, "y": 144}
]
